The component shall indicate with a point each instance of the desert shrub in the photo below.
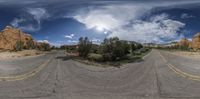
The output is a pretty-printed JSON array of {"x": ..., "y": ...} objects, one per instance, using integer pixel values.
[
  {"x": 133, "y": 47},
  {"x": 138, "y": 52},
  {"x": 44, "y": 47},
  {"x": 139, "y": 46},
  {"x": 95, "y": 57},
  {"x": 113, "y": 49},
  {"x": 19, "y": 45},
  {"x": 30, "y": 44},
  {"x": 144, "y": 50},
  {"x": 84, "y": 47}
]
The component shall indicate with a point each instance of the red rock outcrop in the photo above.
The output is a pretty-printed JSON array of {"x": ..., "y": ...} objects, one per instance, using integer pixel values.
[
  {"x": 196, "y": 41},
  {"x": 184, "y": 42},
  {"x": 9, "y": 36}
]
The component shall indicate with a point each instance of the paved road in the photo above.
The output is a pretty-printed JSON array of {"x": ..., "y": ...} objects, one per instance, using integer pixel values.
[{"x": 54, "y": 76}]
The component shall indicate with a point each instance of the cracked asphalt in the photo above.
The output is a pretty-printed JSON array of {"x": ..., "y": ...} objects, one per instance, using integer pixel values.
[{"x": 63, "y": 78}]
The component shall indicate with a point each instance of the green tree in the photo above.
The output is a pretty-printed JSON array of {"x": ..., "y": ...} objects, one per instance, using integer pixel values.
[
  {"x": 139, "y": 46},
  {"x": 19, "y": 45},
  {"x": 30, "y": 44},
  {"x": 84, "y": 46},
  {"x": 133, "y": 48},
  {"x": 44, "y": 47},
  {"x": 114, "y": 49}
]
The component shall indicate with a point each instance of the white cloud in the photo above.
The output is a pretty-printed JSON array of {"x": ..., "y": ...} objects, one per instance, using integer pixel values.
[
  {"x": 72, "y": 41},
  {"x": 43, "y": 41},
  {"x": 124, "y": 21},
  {"x": 157, "y": 29},
  {"x": 186, "y": 16},
  {"x": 38, "y": 13},
  {"x": 57, "y": 43},
  {"x": 31, "y": 20},
  {"x": 110, "y": 17},
  {"x": 96, "y": 41},
  {"x": 69, "y": 36}
]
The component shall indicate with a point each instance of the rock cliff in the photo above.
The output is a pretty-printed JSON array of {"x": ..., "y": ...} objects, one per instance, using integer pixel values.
[
  {"x": 9, "y": 37},
  {"x": 196, "y": 41}
]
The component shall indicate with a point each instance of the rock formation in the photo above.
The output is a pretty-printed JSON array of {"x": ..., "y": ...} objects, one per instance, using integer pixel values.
[
  {"x": 184, "y": 42},
  {"x": 10, "y": 36},
  {"x": 196, "y": 41}
]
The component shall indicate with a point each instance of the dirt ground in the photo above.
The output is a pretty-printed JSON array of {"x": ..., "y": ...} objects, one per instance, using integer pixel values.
[
  {"x": 24, "y": 53},
  {"x": 187, "y": 54}
]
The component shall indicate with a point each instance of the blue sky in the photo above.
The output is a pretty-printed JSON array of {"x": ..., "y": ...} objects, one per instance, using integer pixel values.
[{"x": 64, "y": 21}]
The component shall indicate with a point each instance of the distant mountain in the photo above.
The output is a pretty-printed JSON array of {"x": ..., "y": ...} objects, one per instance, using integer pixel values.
[{"x": 9, "y": 37}]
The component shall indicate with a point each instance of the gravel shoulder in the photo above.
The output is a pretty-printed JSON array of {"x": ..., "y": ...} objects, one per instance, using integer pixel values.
[
  {"x": 193, "y": 55},
  {"x": 6, "y": 55}
]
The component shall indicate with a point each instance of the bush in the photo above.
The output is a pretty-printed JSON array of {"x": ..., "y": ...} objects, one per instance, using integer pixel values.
[
  {"x": 19, "y": 45},
  {"x": 95, "y": 57},
  {"x": 44, "y": 47},
  {"x": 144, "y": 50},
  {"x": 114, "y": 49},
  {"x": 84, "y": 47}
]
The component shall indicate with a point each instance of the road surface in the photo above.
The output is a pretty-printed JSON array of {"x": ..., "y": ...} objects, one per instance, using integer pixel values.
[{"x": 160, "y": 75}]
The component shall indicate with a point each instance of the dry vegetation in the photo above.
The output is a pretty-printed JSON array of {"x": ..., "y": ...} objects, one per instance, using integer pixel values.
[
  {"x": 24, "y": 53},
  {"x": 187, "y": 54}
]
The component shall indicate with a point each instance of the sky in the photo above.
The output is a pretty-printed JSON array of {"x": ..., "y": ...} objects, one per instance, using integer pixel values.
[{"x": 65, "y": 21}]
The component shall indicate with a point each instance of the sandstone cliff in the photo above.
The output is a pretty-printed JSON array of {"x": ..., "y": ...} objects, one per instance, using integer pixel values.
[
  {"x": 184, "y": 42},
  {"x": 196, "y": 41},
  {"x": 9, "y": 37}
]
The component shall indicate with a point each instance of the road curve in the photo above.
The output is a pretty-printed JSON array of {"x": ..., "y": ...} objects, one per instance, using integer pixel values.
[{"x": 63, "y": 78}]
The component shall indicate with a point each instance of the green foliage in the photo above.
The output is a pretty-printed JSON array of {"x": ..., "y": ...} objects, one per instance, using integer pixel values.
[
  {"x": 84, "y": 47},
  {"x": 95, "y": 57},
  {"x": 133, "y": 48},
  {"x": 114, "y": 49},
  {"x": 139, "y": 46},
  {"x": 95, "y": 49},
  {"x": 44, "y": 47},
  {"x": 141, "y": 51},
  {"x": 30, "y": 44},
  {"x": 19, "y": 45},
  {"x": 183, "y": 47}
]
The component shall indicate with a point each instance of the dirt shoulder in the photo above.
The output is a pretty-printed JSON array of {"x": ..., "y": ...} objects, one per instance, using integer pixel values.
[
  {"x": 195, "y": 55},
  {"x": 24, "y": 53}
]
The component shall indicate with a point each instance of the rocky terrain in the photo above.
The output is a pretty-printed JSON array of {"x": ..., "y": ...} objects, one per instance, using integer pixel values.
[
  {"x": 9, "y": 37},
  {"x": 195, "y": 43},
  {"x": 10, "y": 40}
]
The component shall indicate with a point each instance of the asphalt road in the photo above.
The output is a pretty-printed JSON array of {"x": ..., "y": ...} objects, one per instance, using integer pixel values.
[{"x": 160, "y": 75}]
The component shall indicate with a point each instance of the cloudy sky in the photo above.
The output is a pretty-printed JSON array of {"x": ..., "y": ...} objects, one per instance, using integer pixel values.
[{"x": 64, "y": 21}]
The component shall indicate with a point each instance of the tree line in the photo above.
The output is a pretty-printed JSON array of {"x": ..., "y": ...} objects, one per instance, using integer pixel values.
[{"x": 111, "y": 49}]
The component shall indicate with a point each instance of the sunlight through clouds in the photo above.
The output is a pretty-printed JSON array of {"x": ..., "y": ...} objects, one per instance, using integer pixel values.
[{"x": 129, "y": 25}]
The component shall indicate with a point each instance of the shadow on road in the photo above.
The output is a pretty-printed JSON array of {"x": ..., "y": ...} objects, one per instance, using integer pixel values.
[{"x": 63, "y": 58}]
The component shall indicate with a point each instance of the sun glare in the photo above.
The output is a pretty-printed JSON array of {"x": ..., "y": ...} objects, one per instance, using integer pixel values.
[{"x": 99, "y": 28}]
